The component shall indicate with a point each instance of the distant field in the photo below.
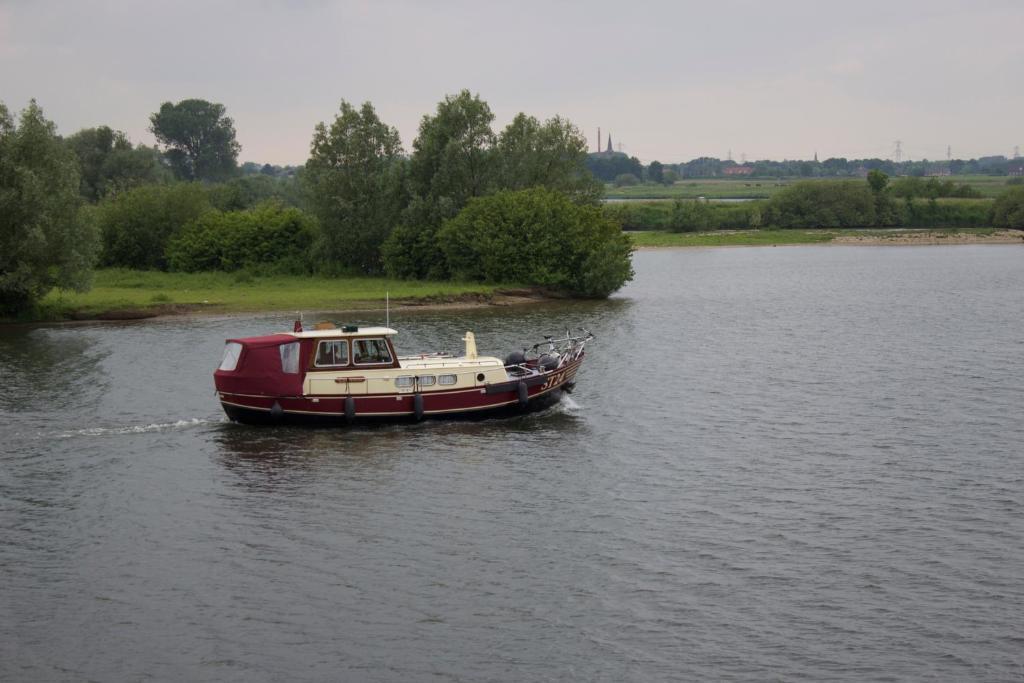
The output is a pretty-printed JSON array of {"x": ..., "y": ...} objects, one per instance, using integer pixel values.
[{"x": 756, "y": 188}]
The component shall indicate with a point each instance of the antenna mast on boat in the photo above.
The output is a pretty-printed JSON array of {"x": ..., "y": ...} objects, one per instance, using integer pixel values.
[{"x": 387, "y": 308}]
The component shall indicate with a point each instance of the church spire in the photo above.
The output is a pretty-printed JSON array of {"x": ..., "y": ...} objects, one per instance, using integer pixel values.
[{"x": 609, "y": 143}]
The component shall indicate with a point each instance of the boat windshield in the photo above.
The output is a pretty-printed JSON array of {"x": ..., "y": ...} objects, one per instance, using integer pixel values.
[
  {"x": 331, "y": 352},
  {"x": 366, "y": 351}
]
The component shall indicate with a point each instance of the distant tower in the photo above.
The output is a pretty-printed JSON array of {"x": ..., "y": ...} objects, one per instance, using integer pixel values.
[
  {"x": 599, "y": 139},
  {"x": 815, "y": 156},
  {"x": 1016, "y": 152},
  {"x": 729, "y": 157},
  {"x": 897, "y": 153},
  {"x": 609, "y": 143},
  {"x": 949, "y": 152}
]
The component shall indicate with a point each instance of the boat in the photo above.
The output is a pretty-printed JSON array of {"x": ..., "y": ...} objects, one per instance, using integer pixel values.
[{"x": 347, "y": 374}]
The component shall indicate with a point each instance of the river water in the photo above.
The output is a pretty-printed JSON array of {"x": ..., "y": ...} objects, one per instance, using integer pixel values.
[{"x": 793, "y": 463}]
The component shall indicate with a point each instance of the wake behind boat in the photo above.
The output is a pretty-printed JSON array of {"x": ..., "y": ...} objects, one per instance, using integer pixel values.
[{"x": 341, "y": 375}]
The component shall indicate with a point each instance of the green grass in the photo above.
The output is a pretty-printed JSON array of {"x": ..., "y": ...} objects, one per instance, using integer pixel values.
[
  {"x": 723, "y": 239},
  {"x": 117, "y": 291},
  {"x": 654, "y": 238},
  {"x": 763, "y": 188}
]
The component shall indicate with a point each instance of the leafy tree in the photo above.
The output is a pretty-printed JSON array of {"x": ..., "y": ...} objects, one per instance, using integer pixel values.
[
  {"x": 247, "y": 191},
  {"x": 932, "y": 188},
  {"x": 43, "y": 241},
  {"x": 626, "y": 180},
  {"x": 550, "y": 154},
  {"x": 199, "y": 139},
  {"x": 138, "y": 224},
  {"x": 452, "y": 162},
  {"x": 1008, "y": 211},
  {"x": 355, "y": 174},
  {"x": 270, "y": 235},
  {"x": 109, "y": 163},
  {"x": 670, "y": 177},
  {"x": 538, "y": 237},
  {"x": 877, "y": 180},
  {"x": 656, "y": 172},
  {"x": 824, "y": 204},
  {"x": 606, "y": 167}
]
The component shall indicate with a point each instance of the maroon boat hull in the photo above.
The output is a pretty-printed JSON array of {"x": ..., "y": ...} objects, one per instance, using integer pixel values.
[{"x": 514, "y": 396}]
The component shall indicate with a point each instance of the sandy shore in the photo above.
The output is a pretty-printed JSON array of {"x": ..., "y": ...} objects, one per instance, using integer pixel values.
[{"x": 930, "y": 237}]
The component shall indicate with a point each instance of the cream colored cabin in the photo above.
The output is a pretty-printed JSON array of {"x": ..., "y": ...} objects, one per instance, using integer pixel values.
[{"x": 354, "y": 361}]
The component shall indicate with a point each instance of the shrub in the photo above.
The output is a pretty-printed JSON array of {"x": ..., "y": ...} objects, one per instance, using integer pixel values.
[
  {"x": 933, "y": 188},
  {"x": 946, "y": 213},
  {"x": 626, "y": 180},
  {"x": 690, "y": 216},
  {"x": 823, "y": 204},
  {"x": 537, "y": 237},
  {"x": 268, "y": 235},
  {"x": 137, "y": 225},
  {"x": 684, "y": 215},
  {"x": 1008, "y": 210}
]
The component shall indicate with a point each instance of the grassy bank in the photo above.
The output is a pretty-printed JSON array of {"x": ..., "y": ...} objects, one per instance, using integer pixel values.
[
  {"x": 118, "y": 293},
  {"x": 653, "y": 238}
]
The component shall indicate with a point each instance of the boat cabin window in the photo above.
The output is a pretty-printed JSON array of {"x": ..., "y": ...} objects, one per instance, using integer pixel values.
[
  {"x": 370, "y": 351},
  {"x": 447, "y": 380},
  {"x": 427, "y": 380},
  {"x": 404, "y": 382},
  {"x": 331, "y": 353},
  {"x": 232, "y": 351},
  {"x": 290, "y": 358}
]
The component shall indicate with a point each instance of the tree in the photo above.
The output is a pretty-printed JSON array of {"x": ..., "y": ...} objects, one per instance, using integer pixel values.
[
  {"x": 551, "y": 154},
  {"x": 1008, "y": 210},
  {"x": 452, "y": 162},
  {"x": 626, "y": 180},
  {"x": 43, "y": 242},
  {"x": 138, "y": 224},
  {"x": 537, "y": 237},
  {"x": 199, "y": 139},
  {"x": 656, "y": 172},
  {"x": 355, "y": 174},
  {"x": 270, "y": 236},
  {"x": 824, "y": 204},
  {"x": 877, "y": 180},
  {"x": 606, "y": 166},
  {"x": 109, "y": 163}
]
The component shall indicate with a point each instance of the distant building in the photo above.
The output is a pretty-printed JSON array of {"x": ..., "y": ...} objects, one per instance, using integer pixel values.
[
  {"x": 1015, "y": 167},
  {"x": 737, "y": 170}
]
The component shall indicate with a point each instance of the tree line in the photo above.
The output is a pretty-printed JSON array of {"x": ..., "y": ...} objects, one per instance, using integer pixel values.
[
  {"x": 360, "y": 204},
  {"x": 624, "y": 170},
  {"x": 876, "y": 203}
]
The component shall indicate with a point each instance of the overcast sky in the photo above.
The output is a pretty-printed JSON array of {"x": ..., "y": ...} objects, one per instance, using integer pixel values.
[{"x": 669, "y": 80}]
